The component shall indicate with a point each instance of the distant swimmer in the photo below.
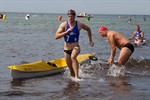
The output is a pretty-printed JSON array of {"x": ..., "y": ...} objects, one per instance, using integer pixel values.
[
  {"x": 129, "y": 20},
  {"x": 88, "y": 18},
  {"x": 138, "y": 35},
  {"x": 117, "y": 40},
  {"x": 1, "y": 16},
  {"x": 27, "y": 16},
  {"x": 144, "y": 18}
]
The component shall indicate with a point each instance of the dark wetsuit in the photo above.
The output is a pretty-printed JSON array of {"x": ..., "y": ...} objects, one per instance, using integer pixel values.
[{"x": 130, "y": 46}]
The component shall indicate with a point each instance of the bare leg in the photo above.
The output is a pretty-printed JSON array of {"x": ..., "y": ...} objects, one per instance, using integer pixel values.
[
  {"x": 69, "y": 64},
  {"x": 125, "y": 54},
  {"x": 75, "y": 64}
]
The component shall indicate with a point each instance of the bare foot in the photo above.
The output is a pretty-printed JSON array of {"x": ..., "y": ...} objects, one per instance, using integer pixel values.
[{"x": 75, "y": 79}]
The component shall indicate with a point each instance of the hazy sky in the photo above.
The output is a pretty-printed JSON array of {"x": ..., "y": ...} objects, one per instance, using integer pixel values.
[{"x": 89, "y": 6}]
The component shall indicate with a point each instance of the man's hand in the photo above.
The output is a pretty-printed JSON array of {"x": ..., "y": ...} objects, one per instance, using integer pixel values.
[
  {"x": 69, "y": 30},
  {"x": 91, "y": 43},
  {"x": 110, "y": 61}
]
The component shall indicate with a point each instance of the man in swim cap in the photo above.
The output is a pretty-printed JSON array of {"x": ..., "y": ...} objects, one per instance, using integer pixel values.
[
  {"x": 117, "y": 40},
  {"x": 70, "y": 30},
  {"x": 137, "y": 34}
]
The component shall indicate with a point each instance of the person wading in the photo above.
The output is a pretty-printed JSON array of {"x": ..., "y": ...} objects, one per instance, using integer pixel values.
[{"x": 70, "y": 30}]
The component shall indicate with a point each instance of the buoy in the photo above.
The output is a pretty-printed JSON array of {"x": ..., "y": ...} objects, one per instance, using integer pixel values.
[
  {"x": 2, "y": 16},
  {"x": 59, "y": 18}
]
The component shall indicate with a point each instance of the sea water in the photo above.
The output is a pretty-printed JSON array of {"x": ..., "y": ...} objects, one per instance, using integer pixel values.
[
  {"x": 33, "y": 40},
  {"x": 116, "y": 71}
]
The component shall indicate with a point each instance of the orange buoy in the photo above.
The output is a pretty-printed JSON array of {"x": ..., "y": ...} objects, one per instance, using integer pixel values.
[{"x": 59, "y": 18}]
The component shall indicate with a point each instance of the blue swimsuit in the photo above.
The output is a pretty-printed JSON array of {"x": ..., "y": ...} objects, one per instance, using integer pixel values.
[
  {"x": 72, "y": 36},
  {"x": 138, "y": 35}
]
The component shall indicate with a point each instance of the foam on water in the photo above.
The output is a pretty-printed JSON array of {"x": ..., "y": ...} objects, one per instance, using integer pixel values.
[
  {"x": 83, "y": 76},
  {"x": 76, "y": 80},
  {"x": 116, "y": 71}
]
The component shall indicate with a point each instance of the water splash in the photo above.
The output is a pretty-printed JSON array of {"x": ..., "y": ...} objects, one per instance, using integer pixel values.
[
  {"x": 116, "y": 71},
  {"x": 86, "y": 73},
  {"x": 76, "y": 80}
]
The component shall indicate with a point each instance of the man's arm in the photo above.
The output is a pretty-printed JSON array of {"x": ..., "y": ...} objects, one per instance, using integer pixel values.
[
  {"x": 142, "y": 36},
  {"x": 133, "y": 36},
  {"x": 111, "y": 40},
  {"x": 85, "y": 27},
  {"x": 61, "y": 31}
]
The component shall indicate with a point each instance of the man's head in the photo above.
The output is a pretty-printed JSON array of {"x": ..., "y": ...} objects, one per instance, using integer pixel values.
[
  {"x": 137, "y": 27},
  {"x": 103, "y": 31},
  {"x": 71, "y": 13}
]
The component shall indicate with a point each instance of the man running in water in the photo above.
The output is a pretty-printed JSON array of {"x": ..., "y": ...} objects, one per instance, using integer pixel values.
[{"x": 70, "y": 30}]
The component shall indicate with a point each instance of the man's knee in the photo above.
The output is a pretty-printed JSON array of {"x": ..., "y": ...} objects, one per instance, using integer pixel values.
[
  {"x": 73, "y": 57},
  {"x": 121, "y": 62}
]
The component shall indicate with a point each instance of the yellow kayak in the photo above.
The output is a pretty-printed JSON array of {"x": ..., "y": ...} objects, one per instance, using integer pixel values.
[{"x": 42, "y": 68}]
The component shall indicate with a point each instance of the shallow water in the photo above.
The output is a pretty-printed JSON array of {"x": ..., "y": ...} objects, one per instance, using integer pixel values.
[{"x": 28, "y": 41}]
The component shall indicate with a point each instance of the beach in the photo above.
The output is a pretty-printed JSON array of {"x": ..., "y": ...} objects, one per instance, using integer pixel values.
[{"x": 33, "y": 40}]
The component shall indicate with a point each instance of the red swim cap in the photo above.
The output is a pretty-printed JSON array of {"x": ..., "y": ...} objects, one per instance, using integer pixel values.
[{"x": 102, "y": 28}]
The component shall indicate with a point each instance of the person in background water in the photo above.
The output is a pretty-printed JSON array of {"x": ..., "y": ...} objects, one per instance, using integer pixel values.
[
  {"x": 70, "y": 30},
  {"x": 88, "y": 18},
  {"x": 129, "y": 20},
  {"x": 137, "y": 34},
  {"x": 117, "y": 40},
  {"x": 144, "y": 18}
]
